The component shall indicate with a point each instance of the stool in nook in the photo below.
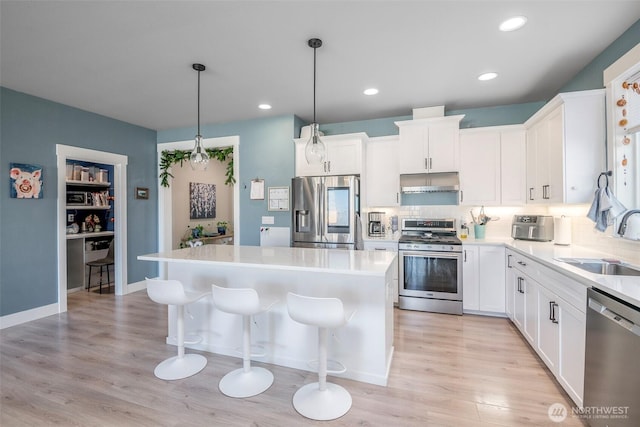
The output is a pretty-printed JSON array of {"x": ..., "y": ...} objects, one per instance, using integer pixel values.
[
  {"x": 320, "y": 400},
  {"x": 172, "y": 292},
  {"x": 248, "y": 380},
  {"x": 102, "y": 263}
]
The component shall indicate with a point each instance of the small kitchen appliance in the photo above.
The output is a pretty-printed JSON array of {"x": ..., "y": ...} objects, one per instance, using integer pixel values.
[
  {"x": 376, "y": 223},
  {"x": 532, "y": 227},
  {"x": 430, "y": 266}
]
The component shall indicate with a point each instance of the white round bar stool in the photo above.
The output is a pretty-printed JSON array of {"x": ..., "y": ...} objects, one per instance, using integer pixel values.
[
  {"x": 320, "y": 400},
  {"x": 249, "y": 380},
  {"x": 172, "y": 292}
]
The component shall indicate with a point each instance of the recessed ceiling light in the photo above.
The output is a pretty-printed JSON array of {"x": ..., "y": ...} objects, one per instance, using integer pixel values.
[
  {"x": 487, "y": 76},
  {"x": 371, "y": 91},
  {"x": 264, "y": 107},
  {"x": 513, "y": 23}
]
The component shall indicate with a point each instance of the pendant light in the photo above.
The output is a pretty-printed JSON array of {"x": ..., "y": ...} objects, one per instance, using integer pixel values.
[
  {"x": 315, "y": 150},
  {"x": 199, "y": 157}
]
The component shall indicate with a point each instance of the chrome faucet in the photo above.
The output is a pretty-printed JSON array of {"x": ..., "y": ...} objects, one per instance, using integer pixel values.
[{"x": 623, "y": 222}]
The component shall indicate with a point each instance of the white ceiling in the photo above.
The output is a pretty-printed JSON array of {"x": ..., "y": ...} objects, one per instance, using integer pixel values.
[{"x": 131, "y": 60}]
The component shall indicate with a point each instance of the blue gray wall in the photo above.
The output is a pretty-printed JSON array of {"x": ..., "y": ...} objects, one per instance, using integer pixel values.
[
  {"x": 591, "y": 76},
  {"x": 30, "y": 129},
  {"x": 266, "y": 152}
]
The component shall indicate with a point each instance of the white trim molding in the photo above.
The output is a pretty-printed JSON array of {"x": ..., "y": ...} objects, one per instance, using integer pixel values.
[
  {"x": 119, "y": 163},
  {"x": 165, "y": 220},
  {"x": 28, "y": 315}
]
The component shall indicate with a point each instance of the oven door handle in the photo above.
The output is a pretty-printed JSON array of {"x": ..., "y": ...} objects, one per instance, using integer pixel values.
[{"x": 430, "y": 254}]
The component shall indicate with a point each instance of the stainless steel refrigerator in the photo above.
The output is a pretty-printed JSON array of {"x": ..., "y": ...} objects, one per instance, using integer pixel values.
[{"x": 326, "y": 212}]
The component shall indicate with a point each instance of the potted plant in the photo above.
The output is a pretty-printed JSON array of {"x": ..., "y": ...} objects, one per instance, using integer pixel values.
[
  {"x": 222, "y": 227},
  {"x": 197, "y": 231}
]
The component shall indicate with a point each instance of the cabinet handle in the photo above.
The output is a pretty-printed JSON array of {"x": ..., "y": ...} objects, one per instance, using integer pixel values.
[
  {"x": 509, "y": 261},
  {"x": 397, "y": 197},
  {"x": 520, "y": 287},
  {"x": 465, "y": 255},
  {"x": 524, "y": 264},
  {"x": 430, "y": 162},
  {"x": 426, "y": 163},
  {"x": 553, "y": 312},
  {"x": 461, "y": 196},
  {"x": 545, "y": 191},
  {"x": 530, "y": 193},
  {"x": 329, "y": 166}
]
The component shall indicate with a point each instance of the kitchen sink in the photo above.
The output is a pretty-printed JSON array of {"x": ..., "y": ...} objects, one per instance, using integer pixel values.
[{"x": 602, "y": 266}]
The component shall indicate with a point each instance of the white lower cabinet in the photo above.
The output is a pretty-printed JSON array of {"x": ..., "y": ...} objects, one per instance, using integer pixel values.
[
  {"x": 547, "y": 345},
  {"x": 530, "y": 294},
  {"x": 572, "y": 329},
  {"x": 386, "y": 245},
  {"x": 550, "y": 314},
  {"x": 483, "y": 279}
]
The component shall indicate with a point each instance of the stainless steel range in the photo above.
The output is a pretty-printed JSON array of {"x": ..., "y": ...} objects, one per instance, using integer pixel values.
[{"x": 430, "y": 266}]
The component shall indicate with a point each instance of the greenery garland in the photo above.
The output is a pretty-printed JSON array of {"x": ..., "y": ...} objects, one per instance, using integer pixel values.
[{"x": 171, "y": 157}]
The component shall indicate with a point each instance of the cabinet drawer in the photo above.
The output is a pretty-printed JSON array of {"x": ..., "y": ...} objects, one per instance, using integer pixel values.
[
  {"x": 521, "y": 263},
  {"x": 566, "y": 288},
  {"x": 381, "y": 246}
]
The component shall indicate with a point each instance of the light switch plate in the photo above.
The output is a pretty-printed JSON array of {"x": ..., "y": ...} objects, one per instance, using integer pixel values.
[{"x": 268, "y": 220}]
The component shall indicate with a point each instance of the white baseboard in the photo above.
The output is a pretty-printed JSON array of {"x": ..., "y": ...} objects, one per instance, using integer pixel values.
[
  {"x": 51, "y": 309},
  {"x": 135, "y": 287},
  {"x": 28, "y": 315}
]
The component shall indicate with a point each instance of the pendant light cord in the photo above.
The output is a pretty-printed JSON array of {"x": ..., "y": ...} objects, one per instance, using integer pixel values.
[
  {"x": 314, "y": 84},
  {"x": 198, "y": 102}
]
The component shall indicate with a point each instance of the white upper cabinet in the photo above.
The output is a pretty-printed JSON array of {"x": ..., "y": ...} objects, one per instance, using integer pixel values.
[
  {"x": 566, "y": 148},
  {"x": 344, "y": 156},
  {"x": 513, "y": 166},
  {"x": 429, "y": 145},
  {"x": 479, "y": 167},
  {"x": 492, "y": 166},
  {"x": 382, "y": 179}
]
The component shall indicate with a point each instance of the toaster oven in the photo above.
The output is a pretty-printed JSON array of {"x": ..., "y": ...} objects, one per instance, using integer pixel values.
[{"x": 79, "y": 198}]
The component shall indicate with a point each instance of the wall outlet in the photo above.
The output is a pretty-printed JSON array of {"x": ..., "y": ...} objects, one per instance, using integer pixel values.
[
  {"x": 268, "y": 220},
  {"x": 70, "y": 217}
]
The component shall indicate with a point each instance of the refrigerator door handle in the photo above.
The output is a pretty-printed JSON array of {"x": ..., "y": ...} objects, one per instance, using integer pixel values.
[
  {"x": 322, "y": 212},
  {"x": 319, "y": 209}
]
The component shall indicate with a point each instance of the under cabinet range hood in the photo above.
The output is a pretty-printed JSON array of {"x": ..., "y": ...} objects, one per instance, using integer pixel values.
[{"x": 430, "y": 182}]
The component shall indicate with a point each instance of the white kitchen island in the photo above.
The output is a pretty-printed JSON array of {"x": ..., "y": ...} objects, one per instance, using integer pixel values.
[{"x": 363, "y": 280}]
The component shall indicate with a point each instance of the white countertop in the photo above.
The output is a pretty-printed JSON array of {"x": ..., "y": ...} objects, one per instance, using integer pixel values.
[
  {"x": 371, "y": 263},
  {"x": 624, "y": 287}
]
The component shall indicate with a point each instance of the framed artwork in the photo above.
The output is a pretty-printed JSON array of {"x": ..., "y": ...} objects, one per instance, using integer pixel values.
[
  {"x": 202, "y": 200},
  {"x": 25, "y": 181},
  {"x": 142, "y": 193}
]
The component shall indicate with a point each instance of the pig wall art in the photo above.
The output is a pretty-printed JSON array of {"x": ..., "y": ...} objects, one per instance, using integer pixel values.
[{"x": 26, "y": 181}]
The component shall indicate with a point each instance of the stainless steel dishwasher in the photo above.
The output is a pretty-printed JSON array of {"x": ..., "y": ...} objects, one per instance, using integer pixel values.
[{"x": 612, "y": 371}]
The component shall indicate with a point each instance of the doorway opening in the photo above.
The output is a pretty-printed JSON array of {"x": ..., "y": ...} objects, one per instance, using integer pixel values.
[
  {"x": 165, "y": 199},
  {"x": 118, "y": 162}
]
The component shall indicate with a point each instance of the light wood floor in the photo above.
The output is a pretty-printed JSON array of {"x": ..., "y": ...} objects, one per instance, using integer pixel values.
[{"x": 93, "y": 366}]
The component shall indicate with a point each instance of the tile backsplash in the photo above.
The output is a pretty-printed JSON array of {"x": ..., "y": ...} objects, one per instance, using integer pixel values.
[{"x": 583, "y": 232}]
